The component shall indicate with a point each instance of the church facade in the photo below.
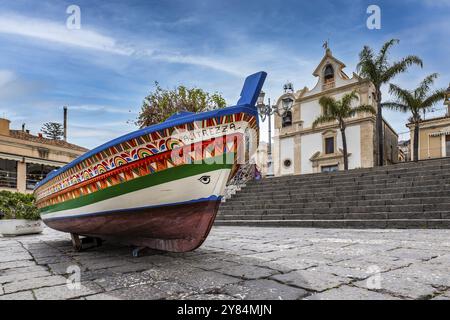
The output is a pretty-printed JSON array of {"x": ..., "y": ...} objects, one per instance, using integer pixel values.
[{"x": 301, "y": 149}]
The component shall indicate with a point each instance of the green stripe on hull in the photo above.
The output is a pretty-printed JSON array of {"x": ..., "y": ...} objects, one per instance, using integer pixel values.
[{"x": 136, "y": 184}]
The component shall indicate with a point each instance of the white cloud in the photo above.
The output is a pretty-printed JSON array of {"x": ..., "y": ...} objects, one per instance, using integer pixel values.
[
  {"x": 6, "y": 77},
  {"x": 97, "y": 108},
  {"x": 57, "y": 32},
  {"x": 85, "y": 38},
  {"x": 212, "y": 63},
  {"x": 437, "y": 3},
  {"x": 12, "y": 86}
]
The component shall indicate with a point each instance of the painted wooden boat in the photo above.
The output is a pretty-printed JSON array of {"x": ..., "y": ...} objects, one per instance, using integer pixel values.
[{"x": 158, "y": 187}]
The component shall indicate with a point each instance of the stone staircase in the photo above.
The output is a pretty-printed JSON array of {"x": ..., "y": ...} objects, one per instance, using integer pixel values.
[{"x": 407, "y": 195}]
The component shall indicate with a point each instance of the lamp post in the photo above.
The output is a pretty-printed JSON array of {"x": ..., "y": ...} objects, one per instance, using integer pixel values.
[{"x": 266, "y": 111}]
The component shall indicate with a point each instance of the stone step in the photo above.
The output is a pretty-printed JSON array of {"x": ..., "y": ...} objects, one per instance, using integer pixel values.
[
  {"x": 260, "y": 185},
  {"x": 343, "y": 196},
  {"x": 345, "y": 209},
  {"x": 343, "y": 216},
  {"x": 391, "y": 169},
  {"x": 341, "y": 175},
  {"x": 300, "y": 196},
  {"x": 411, "y": 195},
  {"x": 333, "y": 202},
  {"x": 348, "y": 188},
  {"x": 351, "y": 224}
]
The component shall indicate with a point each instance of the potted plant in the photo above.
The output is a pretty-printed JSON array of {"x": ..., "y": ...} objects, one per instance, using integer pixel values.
[{"x": 18, "y": 214}]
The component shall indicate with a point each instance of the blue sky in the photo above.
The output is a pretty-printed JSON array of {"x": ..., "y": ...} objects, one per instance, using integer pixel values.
[{"x": 103, "y": 71}]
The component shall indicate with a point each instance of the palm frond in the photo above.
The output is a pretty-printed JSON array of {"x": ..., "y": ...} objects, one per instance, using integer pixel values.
[
  {"x": 424, "y": 86},
  {"x": 382, "y": 56},
  {"x": 395, "y": 106},
  {"x": 348, "y": 98},
  {"x": 403, "y": 96},
  {"x": 400, "y": 67},
  {"x": 323, "y": 119},
  {"x": 432, "y": 99},
  {"x": 327, "y": 103},
  {"x": 364, "y": 108},
  {"x": 366, "y": 55},
  {"x": 366, "y": 66}
]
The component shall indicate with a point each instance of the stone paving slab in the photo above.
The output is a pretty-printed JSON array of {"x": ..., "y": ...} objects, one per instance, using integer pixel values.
[
  {"x": 34, "y": 283},
  {"x": 236, "y": 263},
  {"x": 25, "y": 295},
  {"x": 350, "y": 293}
]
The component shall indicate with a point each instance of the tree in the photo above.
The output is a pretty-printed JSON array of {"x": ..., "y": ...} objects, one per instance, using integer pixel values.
[
  {"x": 380, "y": 71},
  {"x": 53, "y": 130},
  {"x": 162, "y": 103},
  {"x": 340, "y": 110},
  {"x": 415, "y": 101}
]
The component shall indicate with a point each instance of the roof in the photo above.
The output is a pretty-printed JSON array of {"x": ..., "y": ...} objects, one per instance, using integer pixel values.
[
  {"x": 328, "y": 55},
  {"x": 22, "y": 135},
  {"x": 429, "y": 120}
]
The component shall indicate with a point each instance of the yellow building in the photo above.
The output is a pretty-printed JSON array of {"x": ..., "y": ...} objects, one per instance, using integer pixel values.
[
  {"x": 25, "y": 159},
  {"x": 434, "y": 135},
  {"x": 301, "y": 149},
  {"x": 434, "y": 138}
]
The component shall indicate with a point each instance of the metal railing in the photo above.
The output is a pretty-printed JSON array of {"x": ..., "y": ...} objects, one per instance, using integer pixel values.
[
  {"x": 245, "y": 173},
  {"x": 8, "y": 179}
]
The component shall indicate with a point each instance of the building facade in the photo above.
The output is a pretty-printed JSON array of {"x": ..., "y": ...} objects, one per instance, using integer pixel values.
[
  {"x": 26, "y": 159},
  {"x": 300, "y": 149},
  {"x": 434, "y": 138},
  {"x": 434, "y": 135},
  {"x": 262, "y": 158}
]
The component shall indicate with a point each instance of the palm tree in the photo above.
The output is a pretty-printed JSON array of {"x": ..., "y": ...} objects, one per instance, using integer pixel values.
[
  {"x": 415, "y": 101},
  {"x": 339, "y": 110},
  {"x": 379, "y": 71}
]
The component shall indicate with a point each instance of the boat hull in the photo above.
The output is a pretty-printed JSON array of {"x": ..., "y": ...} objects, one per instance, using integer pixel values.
[
  {"x": 175, "y": 228},
  {"x": 163, "y": 212}
]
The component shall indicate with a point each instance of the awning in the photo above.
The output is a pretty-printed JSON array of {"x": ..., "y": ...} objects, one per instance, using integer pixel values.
[
  {"x": 44, "y": 162},
  {"x": 441, "y": 133},
  {"x": 12, "y": 157}
]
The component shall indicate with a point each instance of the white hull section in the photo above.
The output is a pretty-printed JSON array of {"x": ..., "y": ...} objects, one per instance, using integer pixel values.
[{"x": 176, "y": 191}]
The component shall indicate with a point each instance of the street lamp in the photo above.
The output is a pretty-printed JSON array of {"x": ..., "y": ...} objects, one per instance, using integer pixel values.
[
  {"x": 287, "y": 104},
  {"x": 266, "y": 111}
]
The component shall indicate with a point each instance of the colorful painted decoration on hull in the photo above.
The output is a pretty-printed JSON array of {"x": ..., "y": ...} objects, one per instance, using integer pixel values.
[
  {"x": 118, "y": 156},
  {"x": 148, "y": 166}
]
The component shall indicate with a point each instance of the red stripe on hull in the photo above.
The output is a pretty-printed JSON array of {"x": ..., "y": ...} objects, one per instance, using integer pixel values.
[{"x": 177, "y": 228}]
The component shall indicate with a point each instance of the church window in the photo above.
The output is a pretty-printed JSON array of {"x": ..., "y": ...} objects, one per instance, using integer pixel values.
[
  {"x": 329, "y": 145},
  {"x": 332, "y": 168},
  {"x": 287, "y": 163}
]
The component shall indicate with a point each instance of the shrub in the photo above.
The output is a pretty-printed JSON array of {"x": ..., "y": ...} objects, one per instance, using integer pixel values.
[{"x": 15, "y": 205}]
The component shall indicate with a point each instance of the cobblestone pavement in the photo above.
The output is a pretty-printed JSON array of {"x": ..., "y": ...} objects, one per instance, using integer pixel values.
[{"x": 237, "y": 263}]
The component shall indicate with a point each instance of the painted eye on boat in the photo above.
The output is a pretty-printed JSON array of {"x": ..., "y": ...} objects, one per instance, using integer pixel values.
[{"x": 205, "y": 179}]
